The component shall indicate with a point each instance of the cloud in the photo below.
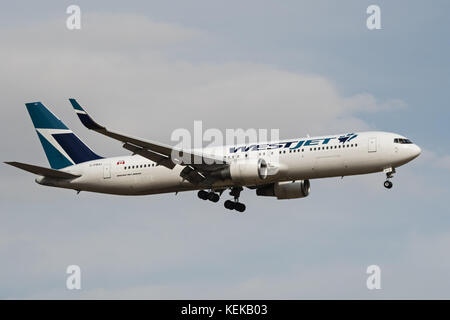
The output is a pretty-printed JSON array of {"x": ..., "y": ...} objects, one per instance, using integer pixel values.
[
  {"x": 125, "y": 69},
  {"x": 130, "y": 74},
  {"x": 99, "y": 33}
]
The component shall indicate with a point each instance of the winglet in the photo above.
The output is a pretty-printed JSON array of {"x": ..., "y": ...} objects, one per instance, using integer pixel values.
[{"x": 85, "y": 119}]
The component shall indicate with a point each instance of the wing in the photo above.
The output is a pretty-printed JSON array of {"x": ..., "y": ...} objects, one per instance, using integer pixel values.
[
  {"x": 46, "y": 172},
  {"x": 198, "y": 167}
]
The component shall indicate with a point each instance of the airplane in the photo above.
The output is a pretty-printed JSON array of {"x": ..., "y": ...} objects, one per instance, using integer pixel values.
[{"x": 281, "y": 169}]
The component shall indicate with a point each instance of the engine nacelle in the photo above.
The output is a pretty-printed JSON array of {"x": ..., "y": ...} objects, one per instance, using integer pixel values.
[
  {"x": 286, "y": 190},
  {"x": 246, "y": 171}
]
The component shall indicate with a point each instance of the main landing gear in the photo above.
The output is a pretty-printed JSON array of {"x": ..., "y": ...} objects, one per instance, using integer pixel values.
[
  {"x": 235, "y": 204},
  {"x": 211, "y": 196},
  {"x": 229, "y": 204},
  {"x": 389, "y": 174}
]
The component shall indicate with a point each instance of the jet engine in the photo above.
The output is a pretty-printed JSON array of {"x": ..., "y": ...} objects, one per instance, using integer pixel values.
[
  {"x": 246, "y": 171},
  {"x": 285, "y": 190}
]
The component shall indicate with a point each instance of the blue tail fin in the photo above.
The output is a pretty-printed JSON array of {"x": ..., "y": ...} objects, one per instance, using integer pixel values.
[{"x": 62, "y": 147}]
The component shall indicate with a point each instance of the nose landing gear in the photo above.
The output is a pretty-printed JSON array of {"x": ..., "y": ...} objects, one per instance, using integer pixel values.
[{"x": 389, "y": 174}]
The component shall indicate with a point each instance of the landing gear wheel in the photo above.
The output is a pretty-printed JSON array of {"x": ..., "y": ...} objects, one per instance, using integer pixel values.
[
  {"x": 240, "y": 207},
  {"x": 235, "y": 205},
  {"x": 229, "y": 204},
  {"x": 389, "y": 174},
  {"x": 214, "y": 197},
  {"x": 202, "y": 194}
]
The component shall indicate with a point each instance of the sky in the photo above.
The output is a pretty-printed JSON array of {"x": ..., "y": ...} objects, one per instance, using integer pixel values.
[{"x": 148, "y": 68}]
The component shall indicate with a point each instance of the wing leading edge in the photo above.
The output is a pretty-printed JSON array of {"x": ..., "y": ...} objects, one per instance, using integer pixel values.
[{"x": 198, "y": 167}]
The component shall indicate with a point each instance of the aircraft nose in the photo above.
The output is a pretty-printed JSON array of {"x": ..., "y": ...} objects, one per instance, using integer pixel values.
[{"x": 416, "y": 151}]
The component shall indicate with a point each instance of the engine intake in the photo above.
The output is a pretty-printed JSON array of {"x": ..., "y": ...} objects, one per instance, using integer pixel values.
[{"x": 286, "y": 190}]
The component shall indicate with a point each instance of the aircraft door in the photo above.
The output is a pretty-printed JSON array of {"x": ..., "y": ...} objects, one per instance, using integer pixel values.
[
  {"x": 107, "y": 170},
  {"x": 373, "y": 144}
]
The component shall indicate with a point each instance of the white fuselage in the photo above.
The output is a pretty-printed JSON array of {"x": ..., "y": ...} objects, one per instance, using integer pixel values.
[{"x": 315, "y": 157}]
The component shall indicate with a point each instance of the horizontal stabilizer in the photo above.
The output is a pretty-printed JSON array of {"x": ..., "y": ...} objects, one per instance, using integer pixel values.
[{"x": 46, "y": 172}]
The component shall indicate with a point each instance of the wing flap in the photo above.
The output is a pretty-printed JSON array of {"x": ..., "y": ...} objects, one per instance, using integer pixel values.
[{"x": 153, "y": 156}]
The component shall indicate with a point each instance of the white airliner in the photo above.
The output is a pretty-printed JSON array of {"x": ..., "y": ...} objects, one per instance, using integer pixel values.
[{"x": 281, "y": 169}]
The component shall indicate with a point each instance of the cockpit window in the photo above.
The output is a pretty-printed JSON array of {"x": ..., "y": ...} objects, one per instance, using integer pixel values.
[{"x": 402, "y": 141}]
